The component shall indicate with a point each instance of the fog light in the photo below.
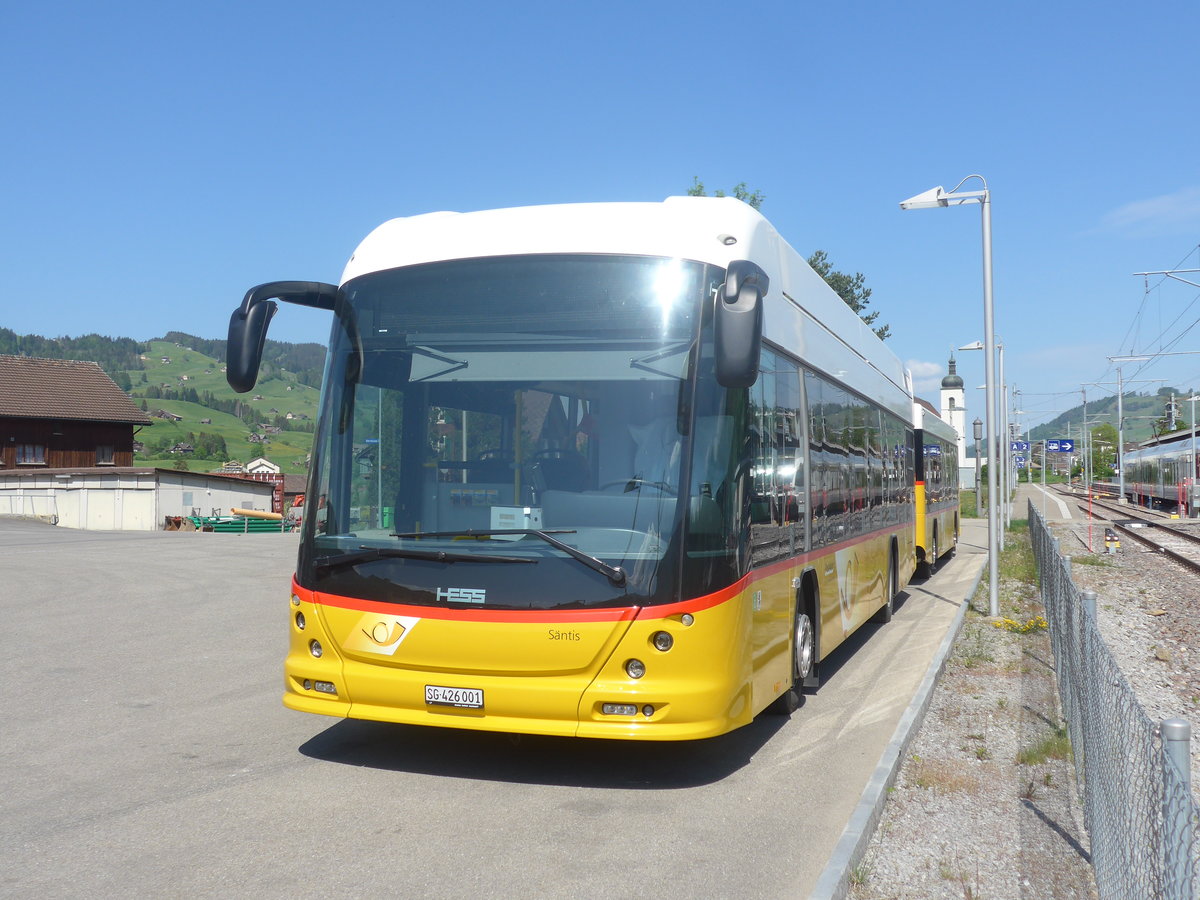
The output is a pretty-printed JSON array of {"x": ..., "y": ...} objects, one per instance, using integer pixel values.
[
  {"x": 635, "y": 668},
  {"x": 314, "y": 647},
  {"x": 300, "y": 620},
  {"x": 619, "y": 709},
  {"x": 295, "y": 600},
  {"x": 662, "y": 640},
  {"x": 325, "y": 687},
  {"x": 647, "y": 710},
  {"x": 307, "y": 685}
]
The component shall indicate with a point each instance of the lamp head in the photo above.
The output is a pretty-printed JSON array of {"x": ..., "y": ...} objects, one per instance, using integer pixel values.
[{"x": 931, "y": 198}]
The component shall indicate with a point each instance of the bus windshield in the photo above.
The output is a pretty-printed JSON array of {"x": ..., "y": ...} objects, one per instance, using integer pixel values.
[{"x": 510, "y": 432}]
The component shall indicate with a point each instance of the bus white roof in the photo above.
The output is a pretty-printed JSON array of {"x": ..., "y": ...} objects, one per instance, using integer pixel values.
[
  {"x": 803, "y": 314},
  {"x": 928, "y": 420}
]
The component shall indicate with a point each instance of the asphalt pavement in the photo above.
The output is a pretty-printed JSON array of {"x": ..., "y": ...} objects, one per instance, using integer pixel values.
[{"x": 145, "y": 751}]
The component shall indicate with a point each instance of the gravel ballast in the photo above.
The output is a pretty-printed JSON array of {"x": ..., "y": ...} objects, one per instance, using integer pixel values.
[{"x": 985, "y": 803}]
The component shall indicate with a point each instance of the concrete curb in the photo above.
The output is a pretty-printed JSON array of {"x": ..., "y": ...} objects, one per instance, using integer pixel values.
[{"x": 834, "y": 883}]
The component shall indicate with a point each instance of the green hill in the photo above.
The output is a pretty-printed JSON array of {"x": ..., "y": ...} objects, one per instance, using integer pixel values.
[
  {"x": 275, "y": 420},
  {"x": 1144, "y": 414},
  {"x": 183, "y": 375}
]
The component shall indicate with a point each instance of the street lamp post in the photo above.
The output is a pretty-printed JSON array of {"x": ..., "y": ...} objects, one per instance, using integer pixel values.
[
  {"x": 1005, "y": 448},
  {"x": 1003, "y": 477},
  {"x": 936, "y": 197},
  {"x": 977, "y": 428},
  {"x": 1194, "y": 470}
]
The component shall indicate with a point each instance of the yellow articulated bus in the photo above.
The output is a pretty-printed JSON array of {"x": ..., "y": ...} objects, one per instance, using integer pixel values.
[
  {"x": 616, "y": 470},
  {"x": 937, "y": 496}
]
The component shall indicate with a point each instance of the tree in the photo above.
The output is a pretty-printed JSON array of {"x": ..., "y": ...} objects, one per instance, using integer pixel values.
[
  {"x": 1170, "y": 421},
  {"x": 852, "y": 289},
  {"x": 1104, "y": 450},
  {"x": 740, "y": 191}
]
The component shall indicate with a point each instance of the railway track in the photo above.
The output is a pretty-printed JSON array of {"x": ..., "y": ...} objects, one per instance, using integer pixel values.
[{"x": 1148, "y": 529}]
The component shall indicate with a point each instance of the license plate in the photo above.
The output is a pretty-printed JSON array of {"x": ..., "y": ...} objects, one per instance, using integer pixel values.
[{"x": 463, "y": 698}]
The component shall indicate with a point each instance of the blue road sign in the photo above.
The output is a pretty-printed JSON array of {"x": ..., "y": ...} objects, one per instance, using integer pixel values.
[
  {"x": 1021, "y": 446},
  {"x": 1060, "y": 446}
]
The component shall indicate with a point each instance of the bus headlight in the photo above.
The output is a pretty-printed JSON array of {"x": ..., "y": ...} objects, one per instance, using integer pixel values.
[
  {"x": 314, "y": 647},
  {"x": 300, "y": 620},
  {"x": 662, "y": 641},
  {"x": 634, "y": 668}
]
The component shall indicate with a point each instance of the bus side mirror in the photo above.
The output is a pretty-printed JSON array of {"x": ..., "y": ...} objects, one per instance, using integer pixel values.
[
  {"x": 247, "y": 334},
  {"x": 248, "y": 324},
  {"x": 737, "y": 324}
]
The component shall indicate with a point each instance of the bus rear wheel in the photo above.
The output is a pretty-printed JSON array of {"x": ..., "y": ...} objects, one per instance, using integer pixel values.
[
  {"x": 884, "y": 614},
  {"x": 804, "y": 651}
]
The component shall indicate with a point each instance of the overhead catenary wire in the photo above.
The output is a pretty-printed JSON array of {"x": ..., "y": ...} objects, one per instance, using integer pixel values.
[{"x": 1165, "y": 340}]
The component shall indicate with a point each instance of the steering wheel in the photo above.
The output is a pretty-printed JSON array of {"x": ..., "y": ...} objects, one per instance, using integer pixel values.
[{"x": 639, "y": 483}]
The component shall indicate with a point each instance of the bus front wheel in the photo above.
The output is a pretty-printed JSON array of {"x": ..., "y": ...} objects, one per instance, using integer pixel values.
[{"x": 804, "y": 651}]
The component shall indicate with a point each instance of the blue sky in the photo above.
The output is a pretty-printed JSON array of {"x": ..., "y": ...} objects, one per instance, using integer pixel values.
[{"x": 159, "y": 159}]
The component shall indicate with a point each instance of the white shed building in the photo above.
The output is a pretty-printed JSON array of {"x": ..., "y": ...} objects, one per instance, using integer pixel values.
[{"x": 125, "y": 498}]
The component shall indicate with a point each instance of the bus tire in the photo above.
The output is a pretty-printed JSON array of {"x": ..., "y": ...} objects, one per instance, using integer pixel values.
[
  {"x": 884, "y": 614},
  {"x": 804, "y": 652}
]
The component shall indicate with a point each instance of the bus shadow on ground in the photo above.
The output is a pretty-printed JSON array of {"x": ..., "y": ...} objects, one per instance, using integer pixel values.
[
  {"x": 562, "y": 761},
  {"x": 539, "y": 759},
  {"x": 832, "y": 664}
]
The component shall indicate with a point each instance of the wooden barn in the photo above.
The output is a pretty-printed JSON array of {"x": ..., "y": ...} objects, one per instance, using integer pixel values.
[{"x": 63, "y": 413}]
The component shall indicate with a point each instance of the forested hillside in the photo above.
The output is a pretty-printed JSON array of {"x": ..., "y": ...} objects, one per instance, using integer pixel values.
[
  {"x": 1145, "y": 415},
  {"x": 113, "y": 354},
  {"x": 305, "y": 361}
]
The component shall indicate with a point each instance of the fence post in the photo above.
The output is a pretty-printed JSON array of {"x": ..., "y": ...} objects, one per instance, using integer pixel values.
[
  {"x": 1089, "y": 603},
  {"x": 1177, "y": 826}
]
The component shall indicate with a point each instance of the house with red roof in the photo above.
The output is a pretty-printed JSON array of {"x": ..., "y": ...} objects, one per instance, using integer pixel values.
[
  {"x": 66, "y": 456},
  {"x": 57, "y": 413}
]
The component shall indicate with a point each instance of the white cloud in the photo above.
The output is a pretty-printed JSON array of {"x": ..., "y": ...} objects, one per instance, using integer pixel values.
[
  {"x": 1182, "y": 208},
  {"x": 927, "y": 376}
]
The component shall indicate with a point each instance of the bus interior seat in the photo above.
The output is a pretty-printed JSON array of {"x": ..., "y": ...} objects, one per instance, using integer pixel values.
[
  {"x": 490, "y": 469},
  {"x": 563, "y": 470}
]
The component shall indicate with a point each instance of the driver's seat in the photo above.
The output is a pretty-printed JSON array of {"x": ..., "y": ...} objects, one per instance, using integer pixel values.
[{"x": 567, "y": 470}]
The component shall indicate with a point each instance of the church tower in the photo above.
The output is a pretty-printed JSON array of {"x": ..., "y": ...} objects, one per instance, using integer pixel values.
[{"x": 954, "y": 410}]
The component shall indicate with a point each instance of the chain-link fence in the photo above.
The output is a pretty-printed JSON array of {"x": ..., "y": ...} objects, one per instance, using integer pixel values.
[{"x": 1133, "y": 773}]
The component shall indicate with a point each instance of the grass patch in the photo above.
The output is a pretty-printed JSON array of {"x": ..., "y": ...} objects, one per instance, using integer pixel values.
[
  {"x": 973, "y": 649},
  {"x": 943, "y": 777},
  {"x": 968, "y": 508},
  {"x": 1017, "y": 562},
  {"x": 860, "y": 875},
  {"x": 1056, "y": 745},
  {"x": 1016, "y": 567}
]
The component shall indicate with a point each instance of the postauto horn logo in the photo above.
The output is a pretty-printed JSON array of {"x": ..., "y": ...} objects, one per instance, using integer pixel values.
[{"x": 374, "y": 633}]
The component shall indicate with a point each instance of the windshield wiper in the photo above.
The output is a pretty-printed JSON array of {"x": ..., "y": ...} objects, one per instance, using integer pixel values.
[
  {"x": 338, "y": 560},
  {"x": 615, "y": 574}
]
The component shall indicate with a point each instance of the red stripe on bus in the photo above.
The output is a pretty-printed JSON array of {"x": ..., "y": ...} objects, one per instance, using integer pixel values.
[{"x": 607, "y": 614}]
